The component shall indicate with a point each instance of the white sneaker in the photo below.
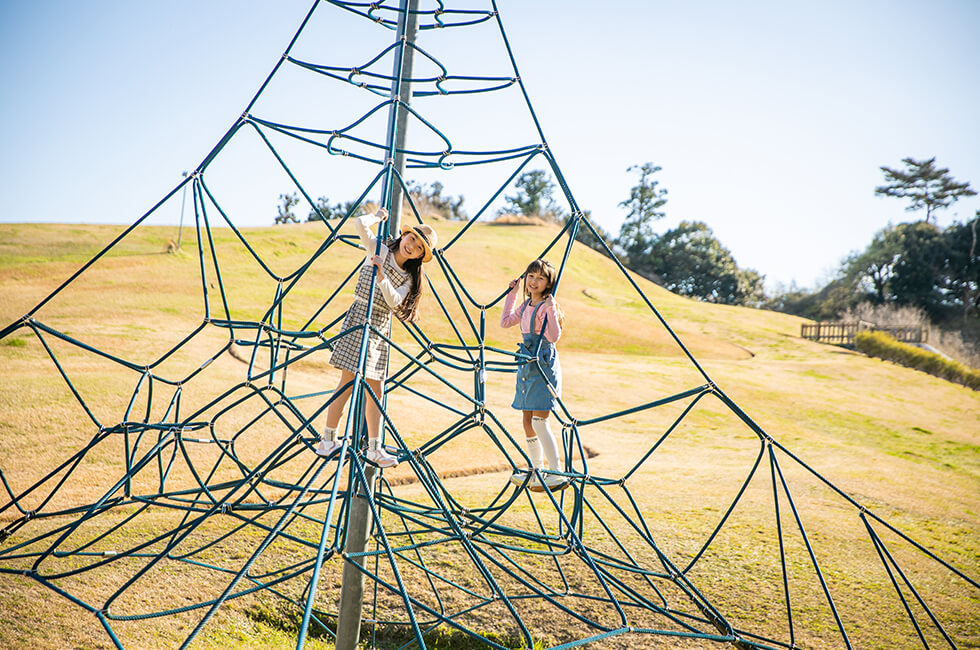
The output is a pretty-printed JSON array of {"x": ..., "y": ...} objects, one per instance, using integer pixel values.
[
  {"x": 517, "y": 478},
  {"x": 552, "y": 482},
  {"x": 328, "y": 447},
  {"x": 381, "y": 457}
]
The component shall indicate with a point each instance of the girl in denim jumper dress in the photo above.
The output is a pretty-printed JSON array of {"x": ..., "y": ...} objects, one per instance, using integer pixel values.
[
  {"x": 397, "y": 291},
  {"x": 539, "y": 371}
]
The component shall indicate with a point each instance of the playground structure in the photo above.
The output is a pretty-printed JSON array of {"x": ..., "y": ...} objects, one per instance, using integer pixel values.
[{"x": 202, "y": 475}]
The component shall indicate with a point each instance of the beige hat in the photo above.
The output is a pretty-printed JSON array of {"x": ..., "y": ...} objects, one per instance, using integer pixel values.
[{"x": 428, "y": 237}]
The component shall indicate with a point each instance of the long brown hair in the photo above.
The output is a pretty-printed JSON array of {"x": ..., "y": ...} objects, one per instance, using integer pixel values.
[
  {"x": 547, "y": 269},
  {"x": 408, "y": 309}
]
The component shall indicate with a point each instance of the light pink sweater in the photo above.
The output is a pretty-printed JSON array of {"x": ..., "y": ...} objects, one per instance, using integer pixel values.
[{"x": 522, "y": 314}]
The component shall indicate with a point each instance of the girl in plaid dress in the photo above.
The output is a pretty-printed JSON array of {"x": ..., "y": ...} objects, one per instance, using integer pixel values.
[{"x": 397, "y": 291}]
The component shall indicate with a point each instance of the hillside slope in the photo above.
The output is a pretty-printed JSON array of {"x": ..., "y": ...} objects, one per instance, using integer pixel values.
[{"x": 902, "y": 442}]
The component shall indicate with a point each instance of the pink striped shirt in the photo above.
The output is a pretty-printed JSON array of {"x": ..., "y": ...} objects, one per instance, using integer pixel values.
[{"x": 522, "y": 314}]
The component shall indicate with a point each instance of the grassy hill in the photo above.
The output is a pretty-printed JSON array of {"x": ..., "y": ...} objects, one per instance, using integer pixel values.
[{"x": 904, "y": 444}]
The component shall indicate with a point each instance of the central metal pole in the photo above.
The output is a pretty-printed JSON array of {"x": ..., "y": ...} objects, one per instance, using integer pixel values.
[
  {"x": 398, "y": 113},
  {"x": 401, "y": 115},
  {"x": 359, "y": 520}
]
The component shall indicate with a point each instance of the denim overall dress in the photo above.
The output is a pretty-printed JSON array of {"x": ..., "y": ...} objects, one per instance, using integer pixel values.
[{"x": 537, "y": 391}]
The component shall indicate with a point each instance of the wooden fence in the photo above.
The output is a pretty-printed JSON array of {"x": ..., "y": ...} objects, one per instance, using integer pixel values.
[{"x": 843, "y": 333}]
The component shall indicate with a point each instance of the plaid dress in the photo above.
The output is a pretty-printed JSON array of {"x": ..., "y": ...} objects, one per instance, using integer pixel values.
[{"x": 348, "y": 347}]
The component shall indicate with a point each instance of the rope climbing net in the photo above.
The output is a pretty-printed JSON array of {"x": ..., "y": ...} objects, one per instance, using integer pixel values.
[{"x": 220, "y": 489}]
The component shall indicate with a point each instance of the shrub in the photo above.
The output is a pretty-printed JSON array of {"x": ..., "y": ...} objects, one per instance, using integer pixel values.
[
  {"x": 950, "y": 342},
  {"x": 883, "y": 346}
]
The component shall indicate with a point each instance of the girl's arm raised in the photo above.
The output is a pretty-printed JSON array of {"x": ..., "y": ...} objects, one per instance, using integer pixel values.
[
  {"x": 363, "y": 225},
  {"x": 510, "y": 316}
]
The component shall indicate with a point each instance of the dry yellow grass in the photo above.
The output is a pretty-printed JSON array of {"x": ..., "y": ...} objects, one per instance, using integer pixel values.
[{"x": 904, "y": 444}]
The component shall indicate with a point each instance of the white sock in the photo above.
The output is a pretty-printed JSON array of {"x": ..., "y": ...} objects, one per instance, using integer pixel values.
[
  {"x": 373, "y": 444},
  {"x": 547, "y": 438},
  {"x": 533, "y": 451},
  {"x": 329, "y": 434}
]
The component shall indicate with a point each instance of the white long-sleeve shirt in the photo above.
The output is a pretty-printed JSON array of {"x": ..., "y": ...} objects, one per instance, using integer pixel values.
[{"x": 392, "y": 295}]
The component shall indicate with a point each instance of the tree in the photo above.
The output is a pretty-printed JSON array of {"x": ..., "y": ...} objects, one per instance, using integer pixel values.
[
  {"x": 534, "y": 198},
  {"x": 825, "y": 303},
  {"x": 593, "y": 240},
  {"x": 430, "y": 198},
  {"x": 691, "y": 261},
  {"x": 873, "y": 269},
  {"x": 323, "y": 210},
  {"x": 336, "y": 211},
  {"x": 643, "y": 207},
  {"x": 288, "y": 201},
  {"x": 918, "y": 271},
  {"x": 961, "y": 272},
  {"x": 751, "y": 288},
  {"x": 925, "y": 185}
]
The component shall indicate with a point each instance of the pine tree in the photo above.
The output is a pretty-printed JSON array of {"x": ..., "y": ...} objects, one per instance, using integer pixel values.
[
  {"x": 925, "y": 185},
  {"x": 636, "y": 235}
]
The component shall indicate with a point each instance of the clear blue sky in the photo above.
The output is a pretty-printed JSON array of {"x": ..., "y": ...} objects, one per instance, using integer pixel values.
[{"x": 770, "y": 119}]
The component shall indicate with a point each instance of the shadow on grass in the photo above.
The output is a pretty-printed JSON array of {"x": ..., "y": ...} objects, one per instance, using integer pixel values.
[{"x": 287, "y": 619}]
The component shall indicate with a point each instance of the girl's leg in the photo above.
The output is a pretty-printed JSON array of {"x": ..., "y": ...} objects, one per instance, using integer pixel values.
[
  {"x": 328, "y": 441},
  {"x": 371, "y": 411},
  {"x": 528, "y": 429},
  {"x": 539, "y": 425},
  {"x": 376, "y": 453},
  {"x": 532, "y": 441},
  {"x": 336, "y": 408}
]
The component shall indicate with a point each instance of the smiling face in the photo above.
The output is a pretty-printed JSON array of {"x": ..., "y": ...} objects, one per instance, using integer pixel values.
[
  {"x": 537, "y": 284},
  {"x": 411, "y": 246},
  {"x": 539, "y": 279}
]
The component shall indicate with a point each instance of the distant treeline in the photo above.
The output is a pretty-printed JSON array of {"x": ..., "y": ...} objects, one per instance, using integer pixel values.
[{"x": 915, "y": 264}]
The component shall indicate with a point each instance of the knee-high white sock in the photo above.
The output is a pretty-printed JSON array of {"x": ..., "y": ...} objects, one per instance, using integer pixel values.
[
  {"x": 547, "y": 438},
  {"x": 533, "y": 451}
]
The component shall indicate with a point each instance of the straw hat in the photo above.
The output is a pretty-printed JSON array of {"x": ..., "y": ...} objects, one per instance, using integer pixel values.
[{"x": 427, "y": 236}]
